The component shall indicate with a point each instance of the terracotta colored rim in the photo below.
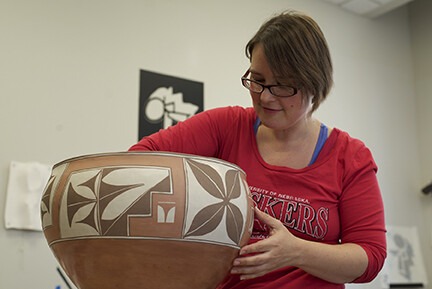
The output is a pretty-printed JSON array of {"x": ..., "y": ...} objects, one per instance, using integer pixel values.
[{"x": 157, "y": 153}]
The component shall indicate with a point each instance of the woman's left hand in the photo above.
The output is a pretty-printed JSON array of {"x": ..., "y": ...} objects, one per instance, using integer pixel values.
[{"x": 277, "y": 251}]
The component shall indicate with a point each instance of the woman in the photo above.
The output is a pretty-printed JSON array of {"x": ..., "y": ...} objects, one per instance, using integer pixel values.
[{"x": 319, "y": 221}]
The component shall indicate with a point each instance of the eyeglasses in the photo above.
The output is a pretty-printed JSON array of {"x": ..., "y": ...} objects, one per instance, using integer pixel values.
[{"x": 277, "y": 90}]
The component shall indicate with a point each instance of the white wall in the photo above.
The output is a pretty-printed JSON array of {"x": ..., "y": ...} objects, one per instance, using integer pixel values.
[
  {"x": 421, "y": 23},
  {"x": 70, "y": 80}
]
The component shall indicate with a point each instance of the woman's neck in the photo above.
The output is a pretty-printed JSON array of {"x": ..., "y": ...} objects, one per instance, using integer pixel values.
[
  {"x": 299, "y": 132},
  {"x": 291, "y": 147}
]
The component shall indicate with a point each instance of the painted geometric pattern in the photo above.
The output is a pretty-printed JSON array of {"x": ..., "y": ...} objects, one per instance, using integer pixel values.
[
  {"x": 166, "y": 212},
  {"x": 48, "y": 195},
  {"x": 215, "y": 203},
  {"x": 99, "y": 201}
]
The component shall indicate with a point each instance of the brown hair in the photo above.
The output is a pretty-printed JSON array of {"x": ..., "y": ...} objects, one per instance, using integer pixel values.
[{"x": 296, "y": 48}]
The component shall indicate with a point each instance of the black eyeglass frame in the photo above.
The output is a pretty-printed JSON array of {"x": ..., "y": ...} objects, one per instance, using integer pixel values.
[{"x": 243, "y": 79}]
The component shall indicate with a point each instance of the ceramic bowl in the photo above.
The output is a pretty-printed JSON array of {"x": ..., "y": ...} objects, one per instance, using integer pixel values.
[{"x": 146, "y": 219}]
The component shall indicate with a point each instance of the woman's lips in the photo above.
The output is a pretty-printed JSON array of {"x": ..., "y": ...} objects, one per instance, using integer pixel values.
[{"x": 271, "y": 110}]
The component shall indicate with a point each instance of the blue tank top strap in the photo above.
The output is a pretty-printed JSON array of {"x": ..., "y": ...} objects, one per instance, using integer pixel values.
[
  {"x": 320, "y": 143},
  {"x": 256, "y": 125}
]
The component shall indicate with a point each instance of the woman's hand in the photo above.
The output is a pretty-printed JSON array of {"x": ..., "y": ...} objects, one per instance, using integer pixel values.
[
  {"x": 277, "y": 251},
  {"x": 339, "y": 263}
]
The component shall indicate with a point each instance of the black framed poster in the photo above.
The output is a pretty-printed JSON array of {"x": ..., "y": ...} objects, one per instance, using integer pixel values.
[{"x": 165, "y": 100}]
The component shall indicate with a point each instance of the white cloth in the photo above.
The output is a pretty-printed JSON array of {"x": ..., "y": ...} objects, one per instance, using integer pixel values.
[{"x": 24, "y": 192}]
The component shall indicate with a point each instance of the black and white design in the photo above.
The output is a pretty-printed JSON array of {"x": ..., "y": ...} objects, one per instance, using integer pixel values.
[{"x": 166, "y": 100}]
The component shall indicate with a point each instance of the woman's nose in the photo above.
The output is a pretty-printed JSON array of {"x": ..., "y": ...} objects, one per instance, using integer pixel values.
[{"x": 267, "y": 96}]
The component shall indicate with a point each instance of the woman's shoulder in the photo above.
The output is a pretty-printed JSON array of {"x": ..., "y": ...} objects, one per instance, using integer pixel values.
[
  {"x": 351, "y": 150},
  {"x": 346, "y": 141}
]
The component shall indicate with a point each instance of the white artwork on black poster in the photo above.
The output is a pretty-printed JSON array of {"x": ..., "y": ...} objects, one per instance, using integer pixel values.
[{"x": 166, "y": 100}]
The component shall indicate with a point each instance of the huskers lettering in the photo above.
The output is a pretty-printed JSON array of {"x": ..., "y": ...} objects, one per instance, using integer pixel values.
[{"x": 294, "y": 213}]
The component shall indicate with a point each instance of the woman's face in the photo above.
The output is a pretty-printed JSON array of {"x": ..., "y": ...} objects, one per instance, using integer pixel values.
[{"x": 278, "y": 113}]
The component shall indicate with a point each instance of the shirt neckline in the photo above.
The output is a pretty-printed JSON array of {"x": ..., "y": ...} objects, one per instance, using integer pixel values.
[{"x": 322, "y": 149}]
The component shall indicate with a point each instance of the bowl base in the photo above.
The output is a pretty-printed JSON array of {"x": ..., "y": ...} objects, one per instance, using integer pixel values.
[{"x": 143, "y": 263}]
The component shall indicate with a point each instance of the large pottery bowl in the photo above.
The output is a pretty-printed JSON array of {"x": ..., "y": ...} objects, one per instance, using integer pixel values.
[{"x": 146, "y": 219}]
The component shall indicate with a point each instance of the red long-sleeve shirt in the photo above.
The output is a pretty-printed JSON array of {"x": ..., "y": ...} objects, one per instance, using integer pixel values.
[{"x": 335, "y": 200}]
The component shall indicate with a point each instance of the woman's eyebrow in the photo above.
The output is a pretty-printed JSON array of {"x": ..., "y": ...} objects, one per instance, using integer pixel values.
[
  {"x": 279, "y": 79},
  {"x": 251, "y": 71}
]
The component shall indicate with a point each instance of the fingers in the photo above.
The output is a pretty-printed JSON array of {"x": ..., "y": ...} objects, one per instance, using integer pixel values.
[
  {"x": 271, "y": 222},
  {"x": 258, "y": 247},
  {"x": 258, "y": 264},
  {"x": 268, "y": 254},
  {"x": 268, "y": 244},
  {"x": 249, "y": 272},
  {"x": 250, "y": 267}
]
